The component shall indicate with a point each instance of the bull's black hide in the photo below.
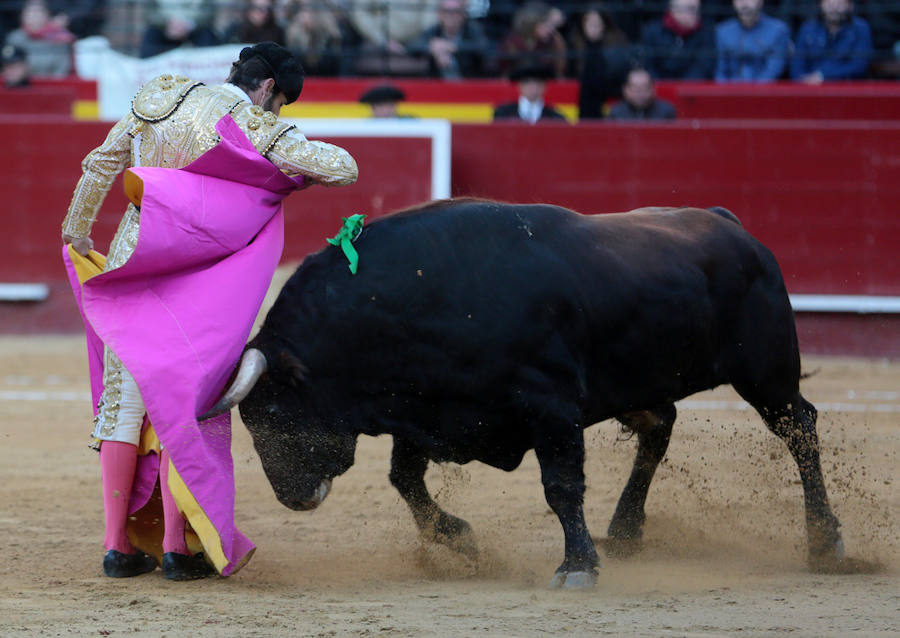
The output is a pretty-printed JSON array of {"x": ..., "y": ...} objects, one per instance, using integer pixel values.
[{"x": 476, "y": 330}]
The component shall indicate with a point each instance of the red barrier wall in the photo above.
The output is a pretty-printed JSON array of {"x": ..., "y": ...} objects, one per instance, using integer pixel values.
[
  {"x": 788, "y": 100},
  {"x": 42, "y": 164},
  {"x": 823, "y": 197}
]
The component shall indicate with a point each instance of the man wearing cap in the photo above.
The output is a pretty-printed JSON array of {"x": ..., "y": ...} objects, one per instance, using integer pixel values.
[
  {"x": 530, "y": 107},
  {"x": 383, "y": 99},
  {"x": 171, "y": 308},
  {"x": 16, "y": 72}
]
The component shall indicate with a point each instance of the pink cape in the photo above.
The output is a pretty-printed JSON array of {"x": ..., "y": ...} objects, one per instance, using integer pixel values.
[{"x": 180, "y": 310}]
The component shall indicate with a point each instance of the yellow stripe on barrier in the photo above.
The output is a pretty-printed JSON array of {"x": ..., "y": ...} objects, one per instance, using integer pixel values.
[
  {"x": 88, "y": 110},
  {"x": 472, "y": 113}
]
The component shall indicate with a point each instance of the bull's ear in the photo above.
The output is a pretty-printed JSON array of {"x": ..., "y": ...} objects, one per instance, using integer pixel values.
[{"x": 294, "y": 369}]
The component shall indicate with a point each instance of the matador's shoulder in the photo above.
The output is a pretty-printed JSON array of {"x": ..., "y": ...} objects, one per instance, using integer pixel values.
[
  {"x": 263, "y": 128},
  {"x": 161, "y": 96}
]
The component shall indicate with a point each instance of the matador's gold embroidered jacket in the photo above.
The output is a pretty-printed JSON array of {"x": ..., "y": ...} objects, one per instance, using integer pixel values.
[{"x": 172, "y": 122}]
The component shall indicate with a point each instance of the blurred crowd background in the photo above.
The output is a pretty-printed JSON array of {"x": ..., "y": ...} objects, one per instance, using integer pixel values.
[
  {"x": 613, "y": 49},
  {"x": 721, "y": 40}
]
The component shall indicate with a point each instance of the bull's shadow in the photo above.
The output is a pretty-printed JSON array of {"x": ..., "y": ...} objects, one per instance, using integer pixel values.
[{"x": 475, "y": 330}]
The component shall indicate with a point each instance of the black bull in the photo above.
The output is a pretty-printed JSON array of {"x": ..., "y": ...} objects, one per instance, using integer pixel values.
[{"x": 476, "y": 330}]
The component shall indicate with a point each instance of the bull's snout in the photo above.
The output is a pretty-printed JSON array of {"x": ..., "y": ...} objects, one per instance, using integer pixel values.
[{"x": 311, "y": 503}]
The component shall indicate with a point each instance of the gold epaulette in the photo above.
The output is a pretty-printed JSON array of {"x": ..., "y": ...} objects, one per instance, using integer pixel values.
[
  {"x": 161, "y": 96},
  {"x": 262, "y": 127}
]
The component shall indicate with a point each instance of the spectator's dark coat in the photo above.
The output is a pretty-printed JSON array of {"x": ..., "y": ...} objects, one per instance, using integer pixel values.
[
  {"x": 510, "y": 110},
  {"x": 842, "y": 56},
  {"x": 604, "y": 71},
  {"x": 658, "y": 109},
  {"x": 667, "y": 55},
  {"x": 471, "y": 54}
]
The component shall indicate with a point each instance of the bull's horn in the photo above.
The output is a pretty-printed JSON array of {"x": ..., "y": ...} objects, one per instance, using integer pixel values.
[{"x": 253, "y": 364}]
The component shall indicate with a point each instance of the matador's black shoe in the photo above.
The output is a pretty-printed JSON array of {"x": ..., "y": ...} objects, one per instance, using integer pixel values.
[
  {"x": 183, "y": 567},
  {"x": 119, "y": 565}
]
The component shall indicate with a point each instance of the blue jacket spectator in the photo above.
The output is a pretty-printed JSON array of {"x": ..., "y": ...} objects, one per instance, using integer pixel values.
[
  {"x": 835, "y": 46},
  {"x": 751, "y": 47},
  {"x": 680, "y": 45}
]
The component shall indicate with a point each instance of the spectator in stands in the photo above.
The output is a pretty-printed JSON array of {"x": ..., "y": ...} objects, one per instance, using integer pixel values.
[
  {"x": 498, "y": 18},
  {"x": 752, "y": 47},
  {"x": 315, "y": 36},
  {"x": 455, "y": 46},
  {"x": 257, "y": 24},
  {"x": 796, "y": 12},
  {"x": 16, "y": 72},
  {"x": 384, "y": 100},
  {"x": 639, "y": 101},
  {"x": 530, "y": 107},
  {"x": 535, "y": 36},
  {"x": 82, "y": 17},
  {"x": 884, "y": 20},
  {"x": 680, "y": 45},
  {"x": 602, "y": 59},
  {"x": 173, "y": 23},
  {"x": 835, "y": 46},
  {"x": 386, "y": 28},
  {"x": 47, "y": 45}
]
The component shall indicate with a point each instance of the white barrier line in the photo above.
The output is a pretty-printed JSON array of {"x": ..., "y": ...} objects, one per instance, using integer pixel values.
[
  {"x": 688, "y": 404},
  {"x": 861, "y": 304},
  {"x": 24, "y": 292},
  {"x": 39, "y": 395}
]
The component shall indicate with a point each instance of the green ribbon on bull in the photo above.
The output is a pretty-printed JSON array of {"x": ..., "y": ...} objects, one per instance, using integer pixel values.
[{"x": 346, "y": 236}]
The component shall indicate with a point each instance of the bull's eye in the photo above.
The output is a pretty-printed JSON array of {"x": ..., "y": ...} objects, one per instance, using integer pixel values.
[{"x": 272, "y": 409}]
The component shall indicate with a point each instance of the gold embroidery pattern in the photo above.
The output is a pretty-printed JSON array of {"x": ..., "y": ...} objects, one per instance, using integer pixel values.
[
  {"x": 126, "y": 238},
  {"x": 185, "y": 134},
  {"x": 100, "y": 168},
  {"x": 108, "y": 409},
  {"x": 327, "y": 164},
  {"x": 160, "y": 97}
]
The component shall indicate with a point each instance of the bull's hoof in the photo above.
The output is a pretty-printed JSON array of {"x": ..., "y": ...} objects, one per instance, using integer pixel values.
[
  {"x": 846, "y": 565},
  {"x": 619, "y": 547},
  {"x": 462, "y": 543},
  {"x": 837, "y": 562},
  {"x": 573, "y": 580},
  {"x": 456, "y": 534}
]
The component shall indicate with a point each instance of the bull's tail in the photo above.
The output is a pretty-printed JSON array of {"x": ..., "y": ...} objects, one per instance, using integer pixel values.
[{"x": 724, "y": 212}]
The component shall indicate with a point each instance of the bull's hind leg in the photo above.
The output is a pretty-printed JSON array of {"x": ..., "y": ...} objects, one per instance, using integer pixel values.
[
  {"x": 408, "y": 465},
  {"x": 795, "y": 423},
  {"x": 654, "y": 428}
]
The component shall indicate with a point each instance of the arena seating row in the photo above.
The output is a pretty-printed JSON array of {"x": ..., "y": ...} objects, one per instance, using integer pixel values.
[{"x": 703, "y": 100}]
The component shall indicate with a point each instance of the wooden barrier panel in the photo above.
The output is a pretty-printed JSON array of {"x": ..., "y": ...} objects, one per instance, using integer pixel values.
[
  {"x": 843, "y": 101},
  {"x": 43, "y": 164},
  {"x": 36, "y": 100},
  {"x": 823, "y": 197}
]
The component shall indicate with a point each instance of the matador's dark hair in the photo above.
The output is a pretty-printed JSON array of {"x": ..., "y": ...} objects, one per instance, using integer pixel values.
[{"x": 268, "y": 60}]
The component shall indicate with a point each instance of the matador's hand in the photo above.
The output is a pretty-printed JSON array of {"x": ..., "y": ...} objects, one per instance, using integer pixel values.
[{"x": 82, "y": 245}]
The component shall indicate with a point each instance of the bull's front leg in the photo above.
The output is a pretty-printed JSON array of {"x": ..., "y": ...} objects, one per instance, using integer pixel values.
[
  {"x": 561, "y": 457},
  {"x": 408, "y": 465}
]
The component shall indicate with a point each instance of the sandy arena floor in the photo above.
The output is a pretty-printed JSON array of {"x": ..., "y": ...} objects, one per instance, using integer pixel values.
[{"x": 724, "y": 541}]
